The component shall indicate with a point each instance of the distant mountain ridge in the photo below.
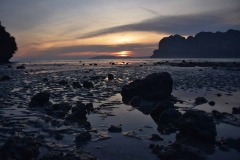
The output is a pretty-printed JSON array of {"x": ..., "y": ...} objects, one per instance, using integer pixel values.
[
  {"x": 114, "y": 57},
  {"x": 202, "y": 45}
]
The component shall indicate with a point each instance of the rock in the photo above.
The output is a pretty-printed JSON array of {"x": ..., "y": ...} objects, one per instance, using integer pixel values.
[
  {"x": 236, "y": 110},
  {"x": 89, "y": 107},
  {"x": 219, "y": 94},
  {"x": 83, "y": 136},
  {"x": 217, "y": 114},
  {"x": 132, "y": 134},
  {"x": 45, "y": 79},
  {"x": 198, "y": 124},
  {"x": 154, "y": 86},
  {"x": 155, "y": 137},
  {"x": 88, "y": 84},
  {"x": 200, "y": 100},
  {"x": 177, "y": 151},
  {"x": 161, "y": 107},
  {"x": 71, "y": 155},
  {"x": 62, "y": 82},
  {"x": 20, "y": 148},
  {"x": 39, "y": 99},
  {"x": 5, "y": 78},
  {"x": 115, "y": 129},
  {"x": 59, "y": 110},
  {"x": 169, "y": 115},
  {"x": 21, "y": 67},
  {"x": 9, "y": 66},
  {"x": 79, "y": 112},
  {"x": 76, "y": 85},
  {"x": 110, "y": 77},
  {"x": 211, "y": 103},
  {"x": 136, "y": 101},
  {"x": 58, "y": 137}
]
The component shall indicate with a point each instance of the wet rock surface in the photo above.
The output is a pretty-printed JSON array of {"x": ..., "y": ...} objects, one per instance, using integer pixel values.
[
  {"x": 198, "y": 124},
  {"x": 154, "y": 86},
  {"x": 113, "y": 128},
  {"x": 39, "y": 99}
]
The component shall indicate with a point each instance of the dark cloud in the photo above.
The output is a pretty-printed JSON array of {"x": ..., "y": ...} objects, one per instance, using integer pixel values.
[{"x": 182, "y": 24}]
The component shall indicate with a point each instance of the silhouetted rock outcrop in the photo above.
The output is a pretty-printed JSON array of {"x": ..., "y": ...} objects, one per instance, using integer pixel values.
[
  {"x": 8, "y": 45},
  {"x": 202, "y": 45}
]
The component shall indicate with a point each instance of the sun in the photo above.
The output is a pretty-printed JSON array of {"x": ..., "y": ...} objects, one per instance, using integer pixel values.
[{"x": 123, "y": 53}]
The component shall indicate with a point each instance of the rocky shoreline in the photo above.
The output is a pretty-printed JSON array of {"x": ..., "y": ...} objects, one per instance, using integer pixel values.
[{"x": 52, "y": 111}]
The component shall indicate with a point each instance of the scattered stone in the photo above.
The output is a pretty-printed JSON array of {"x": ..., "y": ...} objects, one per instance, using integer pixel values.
[
  {"x": 21, "y": 67},
  {"x": 200, "y": 100},
  {"x": 75, "y": 155},
  {"x": 110, "y": 77},
  {"x": 62, "y": 82},
  {"x": 101, "y": 136},
  {"x": 217, "y": 114},
  {"x": 83, "y": 136},
  {"x": 155, "y": 137},
  {"x": 211, "y": 103},
  {"x": 5, "y": 78},
  {"x": 45, "y": 79},
  {"x": 39, "y": 99},
  {"x": 198, "y": 124},
  {"x": 169, "y": 115},
  {"x": 132, "y": 134},
  {"x": 219, "y": 94},
  {"x": 79, "y": 112},
  {"x": 58, "y": 137},
  {"x": 76, "y": 85},
  {"x": 115, "y": 129},
  {"x": 154, "y": 86},
  {"x": 236, "y": 110},
  {"x": 88, "y": 84}
]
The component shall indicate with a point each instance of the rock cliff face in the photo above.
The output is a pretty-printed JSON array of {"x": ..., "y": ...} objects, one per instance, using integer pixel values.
[{"x": 202, "y": 45}]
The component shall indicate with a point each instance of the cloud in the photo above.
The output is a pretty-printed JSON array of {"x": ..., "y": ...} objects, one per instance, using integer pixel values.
[
  {"x": 182, "y": 24},
  {"x": 141, "y": 49}
]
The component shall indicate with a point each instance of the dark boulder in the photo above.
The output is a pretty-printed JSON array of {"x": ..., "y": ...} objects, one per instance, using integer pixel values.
[
  {"x": 83, "y": 136},
  {"x": 115, "y": 129},
  {"x": 76, "y": 85},
  {"x": 45, "y": 79},
  {"x": 89, "y": 107},
  {"x": 21, "y": 67},
  {"x": 200, "y": 100},
  {"x": 198, "y": 124},
  {"x": 236, "y": 110},
  {"x": 161, "y": 107},
  {"x": 79, "y": 112},
  {"x": 39, "y": 99},
  {"x": 170, "y": 115},
  {"x": 5, "y": 78},
  {"x": 88, "y": 84},
  {"x": 155, "y": 137},
  {"x": 62, "y": 82},
  {"x": 59, "y": 110},
  {"x": 154, "y": 86},
  {"x": 211, "y": 103},
  {"x": 110, "y": 76}
]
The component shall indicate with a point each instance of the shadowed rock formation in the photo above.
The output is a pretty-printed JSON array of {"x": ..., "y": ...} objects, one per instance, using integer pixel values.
[
  {"x": 202, "y": 45},
  {"x": 8, "y": 45}
]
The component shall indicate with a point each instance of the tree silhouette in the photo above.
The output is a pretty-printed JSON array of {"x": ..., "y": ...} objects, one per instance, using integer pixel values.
[{"x": 8, "y": 45}]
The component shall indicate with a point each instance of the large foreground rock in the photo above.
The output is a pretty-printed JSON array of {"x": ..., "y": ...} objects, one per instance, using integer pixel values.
[
  {"x": 198, "y": 124},
  {"x": 154, "y": 86}
]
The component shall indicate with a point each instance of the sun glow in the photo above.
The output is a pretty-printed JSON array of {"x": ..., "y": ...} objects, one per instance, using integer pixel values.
[{"x": 123, "y": 53}]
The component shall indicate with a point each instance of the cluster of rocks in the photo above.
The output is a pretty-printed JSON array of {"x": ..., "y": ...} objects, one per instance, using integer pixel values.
[{"x": 5, "y": 78}]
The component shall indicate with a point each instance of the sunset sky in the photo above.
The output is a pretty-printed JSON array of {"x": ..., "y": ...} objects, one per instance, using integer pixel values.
[{"x": 74, "y": 29}]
